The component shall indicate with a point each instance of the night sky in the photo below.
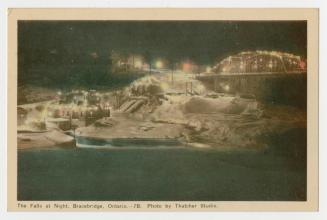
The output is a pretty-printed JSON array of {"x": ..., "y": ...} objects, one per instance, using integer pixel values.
[{"x": 53, "y": 43}]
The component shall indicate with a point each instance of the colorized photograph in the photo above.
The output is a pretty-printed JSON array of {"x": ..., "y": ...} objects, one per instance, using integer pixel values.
[{"x": 115, "y": 110}]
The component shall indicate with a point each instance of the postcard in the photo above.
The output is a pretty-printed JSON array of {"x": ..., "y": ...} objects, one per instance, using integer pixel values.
[{"x": 163, "y": 110}]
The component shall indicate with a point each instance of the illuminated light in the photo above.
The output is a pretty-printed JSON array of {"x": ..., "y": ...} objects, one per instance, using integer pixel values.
[
  {"x": 164, "y": 86},
  {"x": 159, "y": 64},
  {"x": 302, "y": 65},
  {"x": 186, "y": 67},
  {"x": 59, "y": 93},
  {"x": 146, "y": 66},
  {"x": 208, "y": 69},
  {"x": 226, "y": 88},
  {"x": 200, "y": 88},
  {"x": 241, "y": 65},
  {"x": 261, "y": 58},
  {"x": 138, "y": 62}
]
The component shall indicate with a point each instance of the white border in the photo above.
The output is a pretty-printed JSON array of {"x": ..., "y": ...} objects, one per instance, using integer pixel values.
[{"x": 4, "y": 4}]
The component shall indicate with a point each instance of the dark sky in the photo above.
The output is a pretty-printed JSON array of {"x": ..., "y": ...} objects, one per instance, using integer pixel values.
[{"x": 203, "y": 42}]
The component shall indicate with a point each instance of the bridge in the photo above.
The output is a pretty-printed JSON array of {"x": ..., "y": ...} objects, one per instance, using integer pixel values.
[
  {"x": 270, "y": 76},
  {"x": 274, "y": 88}
]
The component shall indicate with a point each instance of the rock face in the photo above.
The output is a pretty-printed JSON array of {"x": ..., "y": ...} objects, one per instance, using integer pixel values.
[
  {"x": 43, "y": 139},
  {"x": 155, "y": 108},
  {"x": 207, "y": 119},
  {"x": 123, "y": 126},
  {"x": 229, "y": 121}
]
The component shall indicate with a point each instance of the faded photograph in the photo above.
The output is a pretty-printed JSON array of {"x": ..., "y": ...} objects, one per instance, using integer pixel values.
[{"x": 162, "y": 111}]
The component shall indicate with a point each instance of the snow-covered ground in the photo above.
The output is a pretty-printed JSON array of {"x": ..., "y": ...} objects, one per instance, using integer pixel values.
[
  {"x": 177, "y": 106},
  {"x": 123, "y": 126},
  {"x": 43, "y": 139},
  {"x": 192, "y": 115}
]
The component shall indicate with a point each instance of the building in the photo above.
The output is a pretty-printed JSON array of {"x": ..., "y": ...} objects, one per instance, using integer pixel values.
[{"x": 123, "y": 62}]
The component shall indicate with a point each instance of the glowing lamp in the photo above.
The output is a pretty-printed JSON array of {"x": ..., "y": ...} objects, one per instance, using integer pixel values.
[
  {"x": 302, "y": 65},
  {"x": 186, "y": 67},
  {"x": 138, "y": 63},
  {"x": 159, "y": 64},
  {"x": 226, "y": 88}
]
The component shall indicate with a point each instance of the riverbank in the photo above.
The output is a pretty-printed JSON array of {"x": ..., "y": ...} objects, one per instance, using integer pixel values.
[
  {"x": 161, "y": 174},
  {"x": 43, "y": 139},
  {"x": 154, "y": 108}
]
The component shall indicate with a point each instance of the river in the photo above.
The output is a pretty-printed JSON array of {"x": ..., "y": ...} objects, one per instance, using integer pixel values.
[{"x": 160, "y": 174}]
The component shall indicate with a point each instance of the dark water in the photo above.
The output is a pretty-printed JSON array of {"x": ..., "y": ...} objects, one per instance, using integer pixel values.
[{"x": 165, "y": 174}]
